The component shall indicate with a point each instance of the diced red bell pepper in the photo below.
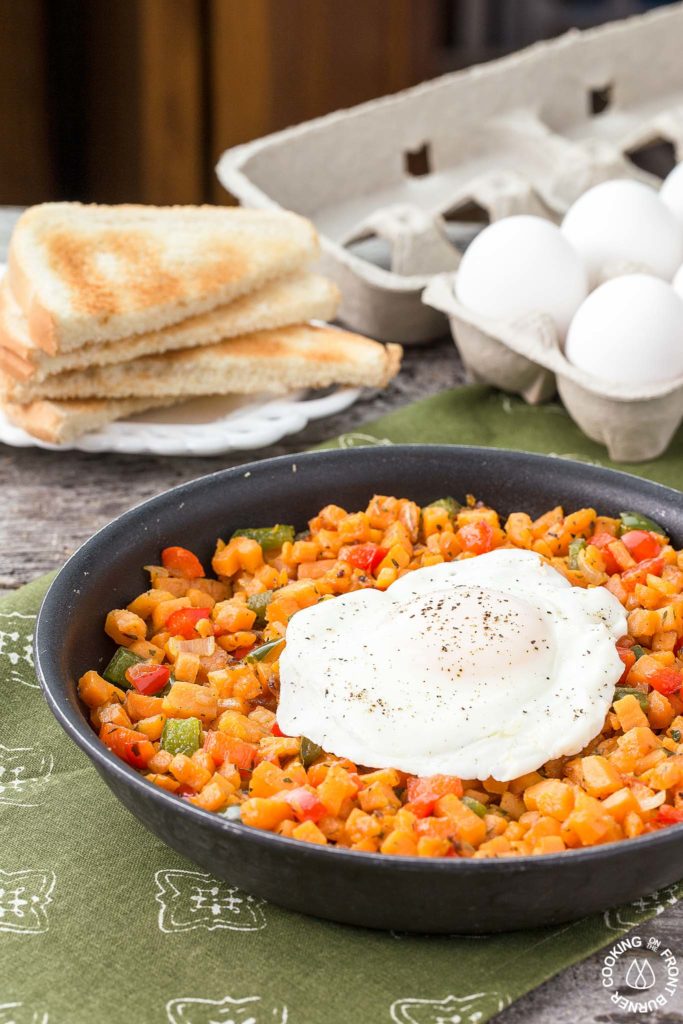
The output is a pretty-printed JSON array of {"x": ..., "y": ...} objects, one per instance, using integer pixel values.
[
  {"x": 666, "y": 680},
  {"x": 241, "y": 652},
  {"x": 183, "y": 562},
  {"x": 640, "y": 572},
  {"x": 148, "y": 678},
  {"x": 131, "y": 746},
  {"x": 223, "y": 747},
  {"x": 629, "y": 660},
  {"x": 306, "y": 804},
  {"x": 601, "y": 540},
  {"x": 366, "y": 556},
  {"x": 669, "y": 815},
  {"x": 277, "y": 731},
  {"x": 476, "y": 537},
  {"x": 423, "y": 793},
  {"x": 641, "y": 544},
  {"x": 183, "y": 622}
]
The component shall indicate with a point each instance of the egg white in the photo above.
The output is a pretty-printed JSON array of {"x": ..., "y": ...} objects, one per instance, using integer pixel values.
[{"x": 488, "y": 666}]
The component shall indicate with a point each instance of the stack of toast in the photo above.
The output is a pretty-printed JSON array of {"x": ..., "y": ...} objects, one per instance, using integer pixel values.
[{"x": 106, "y": 311}]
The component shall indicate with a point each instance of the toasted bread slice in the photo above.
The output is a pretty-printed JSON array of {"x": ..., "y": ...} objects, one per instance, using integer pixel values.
[
  {"x": 85, "y": 274},
  {"x": 63, "y": 422},
  {"x": 273, "y": 361},
  {"x": 288, "y": 300}
]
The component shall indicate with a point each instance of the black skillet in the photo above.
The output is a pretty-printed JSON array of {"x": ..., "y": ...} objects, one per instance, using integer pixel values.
[{"x": 374, "y": 890}]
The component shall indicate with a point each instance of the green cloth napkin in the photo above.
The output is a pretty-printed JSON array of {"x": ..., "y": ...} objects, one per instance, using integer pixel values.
[
  {"x": 100, "y": 923},
  {"x": 482, "y": 416}
]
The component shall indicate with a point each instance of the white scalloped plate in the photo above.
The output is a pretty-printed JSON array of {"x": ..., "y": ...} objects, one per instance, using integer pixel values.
[{"x": 203, "y": 426}]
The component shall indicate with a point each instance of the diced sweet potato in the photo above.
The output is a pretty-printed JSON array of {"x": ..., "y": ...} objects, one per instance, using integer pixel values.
[
  {"x": 467, "y": 826},
  {"x": 620, "y": 803},
  {"x": 96, "y": 691},
  {"x": 600, "y": 778},
  {"x": 188, "y": 773},
  {"x": 550, "y": 797},
  {"x": 187, "y": 700},
  {"x": 400, "y": 842},
  {"x": 629, "y": 712},
  {"x": 215, "y": 794},
  {"x": 265, "y": 812}
]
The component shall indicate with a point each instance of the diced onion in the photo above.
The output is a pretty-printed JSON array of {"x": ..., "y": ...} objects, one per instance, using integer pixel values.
[
  {"x": 648, "y": 803},
  {"x": 203, "y": 647}
]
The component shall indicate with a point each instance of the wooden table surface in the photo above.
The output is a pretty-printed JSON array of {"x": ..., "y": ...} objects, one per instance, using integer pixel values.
[{"x": 51, "y": 502}]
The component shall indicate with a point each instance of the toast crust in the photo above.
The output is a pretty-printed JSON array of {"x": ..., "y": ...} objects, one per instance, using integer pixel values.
[
  {"x": 99, "y": 273},
  {"x": 62, "y": 422},
  {"x": 41, "y": 323},
  {"x": 273, "y": 361},
  {"x": 288, "y": 300},
  {"x": 14, "y": 366}
]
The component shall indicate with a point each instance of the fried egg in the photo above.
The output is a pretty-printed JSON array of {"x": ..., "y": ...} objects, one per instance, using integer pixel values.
[{"x": 483, "y": 667}]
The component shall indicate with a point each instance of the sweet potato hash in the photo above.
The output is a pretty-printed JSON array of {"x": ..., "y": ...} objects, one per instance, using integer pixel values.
[{"x": 190, "y": 695}]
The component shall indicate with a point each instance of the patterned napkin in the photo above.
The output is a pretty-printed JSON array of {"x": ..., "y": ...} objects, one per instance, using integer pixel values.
[{"x": 100, "y": 923}]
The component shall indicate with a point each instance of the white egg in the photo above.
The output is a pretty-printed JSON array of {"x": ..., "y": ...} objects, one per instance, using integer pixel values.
[
  {"x": 677, "y": 283},
  {"x": 629, "y": 331},
  {"x": 671, "y": 193},
  {"x": 521, "y": 265},
  {"x": 618, "y": 223},
  {"x": 488, "y": 666}
]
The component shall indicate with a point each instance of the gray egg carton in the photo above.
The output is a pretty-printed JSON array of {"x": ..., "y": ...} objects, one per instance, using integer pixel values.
[
  {"x": 634, "y": 421},
  {"x": 390, "y": 182}
]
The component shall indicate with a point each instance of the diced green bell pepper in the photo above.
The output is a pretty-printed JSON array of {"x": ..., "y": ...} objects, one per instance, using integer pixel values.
[
  {"x": 309, "y": 752},
  {"x": 260, "y": 653},
  {"x": 638, "y": 651},
  {"x": 474, "y": 805},
  {"x": 626, "y": 691},
  {"x": 575, "y": 548},
  {"x": 637, "y": 521},
  {"x": 258, "y": 603},
  {"x": 115, "y": 672},
  {"x": 451, "y": 505},
  {"x": 181, "y": 736},
  {"x": 269, "y": 537}
]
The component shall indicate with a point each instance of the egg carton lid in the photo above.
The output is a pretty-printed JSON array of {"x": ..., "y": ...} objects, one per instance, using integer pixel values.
[
  {"x": 516, "y": 135},
  {"x": 535, "y": 337}
]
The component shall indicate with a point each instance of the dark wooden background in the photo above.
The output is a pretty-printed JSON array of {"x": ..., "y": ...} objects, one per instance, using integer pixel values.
[{"x": 134, "y": 100}]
